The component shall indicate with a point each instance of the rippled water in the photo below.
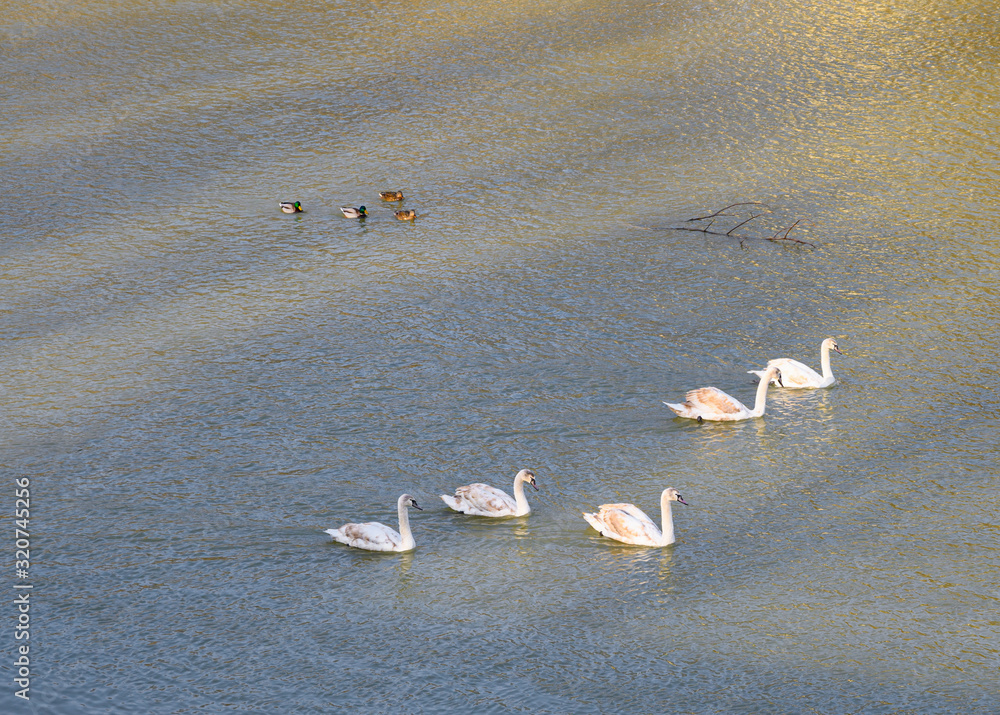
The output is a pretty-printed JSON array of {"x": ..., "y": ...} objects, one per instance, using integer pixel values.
[{"x": 197, "y": 385}]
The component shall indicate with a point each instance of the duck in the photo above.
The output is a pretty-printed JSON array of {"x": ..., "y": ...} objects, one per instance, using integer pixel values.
[
  {"x": 406, "y": 215},
  {"x": 711, "y": 403},
  {"x": 796, "y": 376},
  {"x": 359, "y": 212},
  {"x": 484, "y": 500},
  {"x": 374, "y": 536},
  {"x": 290, "y": 207},
  {"x": 629, "y": 524},
  {"x": 391, "y": 195}
]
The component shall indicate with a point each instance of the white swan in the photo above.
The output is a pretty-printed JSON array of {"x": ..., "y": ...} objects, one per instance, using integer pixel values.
[
  {"x": 711, "y": 403},
  {"x": 796, "y": 375},
  {"x": 628, "y": 523},
  {"x": 484, "y": 500},
  {"x": 379, "y": 537}
]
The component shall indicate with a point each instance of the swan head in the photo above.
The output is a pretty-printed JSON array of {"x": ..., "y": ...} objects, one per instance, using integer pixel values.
[
  {"x": 674, "y": 495},
  {"x": 526, "y": 475},
  {"x": 407, "y": 500},
  {"x": 832, "y": 345}
]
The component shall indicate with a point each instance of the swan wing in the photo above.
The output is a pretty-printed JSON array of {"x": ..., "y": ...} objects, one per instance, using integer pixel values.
[
  {"x": 481, "y": 500},
  {"x": 371, "y": 535},
  {"x": 632, "y": 509},
  {"x": 796, "y": 374},
  {"x": 626, "y": 523},
  {"x": 713, "y": 401}
]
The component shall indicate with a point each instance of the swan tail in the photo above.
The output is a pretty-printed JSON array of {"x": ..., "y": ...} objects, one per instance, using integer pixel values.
[
  {"x": 337, "y": 535},
  {"x": 592, "y": 520},
  {"x": 683, "y": 410},
  {"x": 452, "y": 502}
]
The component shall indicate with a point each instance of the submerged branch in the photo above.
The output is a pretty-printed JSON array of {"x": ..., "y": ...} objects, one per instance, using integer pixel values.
[
  {"x": 780, "y": 235},
  {"x": 752, "y": 217},
  {"x": 721, "y": 212}
]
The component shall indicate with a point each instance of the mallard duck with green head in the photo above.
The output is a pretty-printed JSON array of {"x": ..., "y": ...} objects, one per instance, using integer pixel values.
[
  {"x": 290, "y": 207},
  {"x": 391, "y": 195},
  {"x": 359, "y": 212}
]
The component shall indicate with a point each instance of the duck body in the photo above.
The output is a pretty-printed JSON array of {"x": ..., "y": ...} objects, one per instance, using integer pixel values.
[
  {"x": 349, "y": 212},
  {"x": 391, "y": 195},
  {"x": 795, "y": 375},
  {"x": 290, "y": 207},
  {"x": 374, "y": 536},
  {"x": 630, "y": 525},
  {"x": 483, "y": 500},
  {"x": 711, "y": 403},
  {"x": 406, "y": 215}
]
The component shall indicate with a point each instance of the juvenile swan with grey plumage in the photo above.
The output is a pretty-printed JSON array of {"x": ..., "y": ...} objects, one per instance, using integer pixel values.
[
  {"x": 629, "y": 524},
  {"x": 711, "y": 403},
  {"x": 374, "y": 536},
  {"x": 484, "y": 500}
]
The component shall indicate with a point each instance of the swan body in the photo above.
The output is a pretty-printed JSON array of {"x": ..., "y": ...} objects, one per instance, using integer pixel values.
[
  {"x": 406, "y": 215},
  {"x": 391, "y": 195},
  {"x": 374, "y": 536},
  {"x": 711, "y": 403},
  {"x": 629, "y": 524},
  {"x": 349, "y": 212},
  {"x": 290, "y": 207},
  {"x": 484, "y": 500},
  {"x": 795, "y": 375}
]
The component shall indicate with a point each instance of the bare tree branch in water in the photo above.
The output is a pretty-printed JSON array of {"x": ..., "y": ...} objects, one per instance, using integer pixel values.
[
  {"x": 722, "y": 212},
  {"x": 780, "y": 235}
]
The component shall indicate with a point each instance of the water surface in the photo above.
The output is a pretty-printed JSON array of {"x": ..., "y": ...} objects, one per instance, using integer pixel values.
[{"x": 197, "y": 384}]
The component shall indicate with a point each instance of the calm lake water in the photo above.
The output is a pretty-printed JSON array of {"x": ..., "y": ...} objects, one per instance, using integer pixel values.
[{"x": 197, "y": 385}]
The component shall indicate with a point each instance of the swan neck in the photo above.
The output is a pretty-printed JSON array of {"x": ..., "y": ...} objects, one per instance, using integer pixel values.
[
  {"x": 824, "y": 359},
  {"x": 761, "y": 401},
  {"x": 519, "y": 498},
  {"x": 668, "y": 521},
  {"x": 404, "y": 526}
]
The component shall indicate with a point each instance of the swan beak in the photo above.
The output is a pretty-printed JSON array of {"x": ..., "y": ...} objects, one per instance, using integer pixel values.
[
  {"x": 416, "y": 506},
  {"x": 681, "y": 500},
  {"x": 532, "y": 483}
]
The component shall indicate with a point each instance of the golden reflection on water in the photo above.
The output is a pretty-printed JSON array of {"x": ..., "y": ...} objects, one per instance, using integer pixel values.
[
  {"x": 628, "y": 569},
  {"x": 519, "y": 530},
  {"x": 403, "y": 567}
]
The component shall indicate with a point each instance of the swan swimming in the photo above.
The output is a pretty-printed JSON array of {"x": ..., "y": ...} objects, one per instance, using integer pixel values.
[
  {"x": 711, "y": 403},
  {"x": 628, "y": 523},
  {"x": 374, "y": 536},
  {"x": 795, "y": 375},
  {"x": 484, "y": 500}
]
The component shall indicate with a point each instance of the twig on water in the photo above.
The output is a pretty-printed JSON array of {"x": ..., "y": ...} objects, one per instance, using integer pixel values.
[
  {"x": 722, "y": 212},
  {"x": 752, "y": 217},
  {"x": 780, "y": 235}
]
